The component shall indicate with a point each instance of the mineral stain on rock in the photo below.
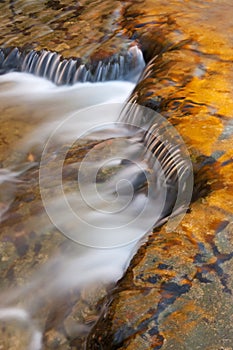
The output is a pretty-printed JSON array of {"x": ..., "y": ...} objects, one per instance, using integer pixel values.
[
  {"x": 177, "y": 291},
  {"x": 192, "y": 297}
]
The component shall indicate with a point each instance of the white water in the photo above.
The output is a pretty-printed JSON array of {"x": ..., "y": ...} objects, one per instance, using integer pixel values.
[
  {"x": 112, "y": 213},
  {"x": 54, "y": 67},
  {"x": 42, "y": 107}
]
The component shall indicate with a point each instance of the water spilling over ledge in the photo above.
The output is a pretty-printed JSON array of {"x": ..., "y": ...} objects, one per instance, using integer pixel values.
[
  {"x": 177, "y": 290},
  {"x": 62, "y": 71}
]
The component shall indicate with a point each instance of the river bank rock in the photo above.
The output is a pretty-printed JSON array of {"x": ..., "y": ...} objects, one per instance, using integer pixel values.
[{"x": 177, "y": 292}]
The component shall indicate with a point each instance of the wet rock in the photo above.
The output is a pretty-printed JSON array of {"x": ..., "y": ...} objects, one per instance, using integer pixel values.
[{"x": 177, "y": 292}]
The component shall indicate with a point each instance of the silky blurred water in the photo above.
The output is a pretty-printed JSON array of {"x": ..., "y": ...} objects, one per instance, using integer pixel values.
[
  {"x": 105, "y": 200},
  {"x": 94, "y": 199},
  {"x": 31, "y": 110}
]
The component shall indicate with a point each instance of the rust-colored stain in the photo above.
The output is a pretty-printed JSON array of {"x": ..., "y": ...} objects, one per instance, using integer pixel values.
[
  {"x": 177, "y": 291},
  {"x": 186, "y": 273}
]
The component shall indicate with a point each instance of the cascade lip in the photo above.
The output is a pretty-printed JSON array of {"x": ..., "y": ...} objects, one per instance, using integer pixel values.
[{"x": 68, "y": 71}]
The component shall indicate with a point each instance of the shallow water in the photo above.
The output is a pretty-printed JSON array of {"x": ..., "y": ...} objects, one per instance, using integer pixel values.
[
  {"x": 88, "y": 196},
  {"x": 31, "y": 109}
]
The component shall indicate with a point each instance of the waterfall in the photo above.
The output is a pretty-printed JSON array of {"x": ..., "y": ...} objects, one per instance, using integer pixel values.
[{"x": 60, "y": 70}]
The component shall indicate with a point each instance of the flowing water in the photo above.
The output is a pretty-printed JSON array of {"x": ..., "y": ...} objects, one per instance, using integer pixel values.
[
  {"x": 75, "y": 176},
  {"x": 106, "y": 210},
  {"x": 36, "y": 108}
]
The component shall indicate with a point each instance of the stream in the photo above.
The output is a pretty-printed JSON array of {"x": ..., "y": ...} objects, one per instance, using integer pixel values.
[{"x": 115, "y": 175}]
